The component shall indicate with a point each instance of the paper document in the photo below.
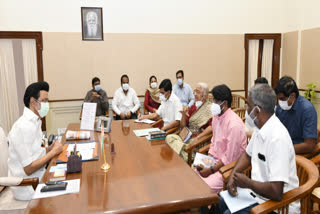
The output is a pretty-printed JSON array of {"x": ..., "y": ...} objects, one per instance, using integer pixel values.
[
  {"x": 59, "y": 166},
  {"x": 88, "y": 116},
  {"x": 244, "y": 199},
  {"x": 72, "y": 187},
  {"x": 86, "y": 150},
  {"x": 205, "y": 160},
  {"x": 144, "y": 132},
  {"x": 147, "y": 121}
]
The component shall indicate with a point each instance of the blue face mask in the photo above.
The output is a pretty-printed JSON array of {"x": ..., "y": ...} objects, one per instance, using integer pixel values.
[{"x": 97, "y": 87}]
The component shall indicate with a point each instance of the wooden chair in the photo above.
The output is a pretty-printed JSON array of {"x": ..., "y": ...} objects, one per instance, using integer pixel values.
[
  {"x": 241, "y": 112},
  {"x": 201, "y": 145},
  {"x": 236, "y": 101},
  {"x": 159, "y": 124},
  {"x": 308, "y": 175}
]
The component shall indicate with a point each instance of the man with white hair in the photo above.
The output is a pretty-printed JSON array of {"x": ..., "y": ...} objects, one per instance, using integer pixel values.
[
  {"x": 196, "y": 119},
  {"x": 92, "y": 26}
]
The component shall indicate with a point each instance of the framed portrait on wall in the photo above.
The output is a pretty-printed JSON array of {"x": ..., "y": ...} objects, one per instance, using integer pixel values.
[{"x": 92, "y": 25}]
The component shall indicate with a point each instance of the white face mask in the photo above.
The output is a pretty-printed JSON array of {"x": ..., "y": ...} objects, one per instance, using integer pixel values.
[
  {"x": 154, "y": 85},
  {"x": 216, "y": 108},
  {"x": 199, "y": 103},
  {"x": 284, "y": 104},
  {"x": 44, "y": 109},
  {"x": 125, "y": 86},
  {"x": 97, "y": 87},
  {"x": 249, "y": 119},
  {"x": 162, "y": 97},
  {"x": 179, "y": 81}
]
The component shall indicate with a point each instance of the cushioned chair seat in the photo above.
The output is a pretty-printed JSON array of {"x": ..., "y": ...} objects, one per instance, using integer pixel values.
[{"x": 9, "y": 205}]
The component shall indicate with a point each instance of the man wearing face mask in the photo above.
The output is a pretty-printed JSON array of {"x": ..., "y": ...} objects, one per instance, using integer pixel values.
[
  {"x": 99, "y": 96},
  {"x": 197, "y": 119},
  {"x": 183, "y": 90},
  {"x": 229, "y": 137},
  {"x": 170, "y": 107},
  {"x": 27, "y": 158},
  {"x": 297, "y": 114},
  {"x": 125, "y": 101},
  {"x": 270, "y": 153}
]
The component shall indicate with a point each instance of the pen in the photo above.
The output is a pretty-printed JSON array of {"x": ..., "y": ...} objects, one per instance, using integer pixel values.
[{"x": 75, "y": 148}]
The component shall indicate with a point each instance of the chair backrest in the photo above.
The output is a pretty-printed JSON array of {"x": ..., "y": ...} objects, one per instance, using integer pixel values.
[
  {"x": 236, "y": 101},
  {"x": 3, "y": 156},
  {"x": 241, "y": 112}
]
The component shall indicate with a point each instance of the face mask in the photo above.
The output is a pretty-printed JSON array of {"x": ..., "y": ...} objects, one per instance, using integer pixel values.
[
  {"x": 97, "y": 87},
  {"x": 284, "y": 104},
  {"x": 162, "y": 97},
  {"x": 125, "y": 86},
  {"x": 44, "y": 109},
  {"x": 153, "y": 85},
  {"x": 249, "y": 119},
  {"x": 180, "y": 81},
  {"x": 216, "y": 108},
  {"x": 199, "y": 103}
]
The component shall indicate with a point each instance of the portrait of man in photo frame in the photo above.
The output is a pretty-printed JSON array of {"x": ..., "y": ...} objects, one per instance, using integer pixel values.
[{"x": 92, "y": 23}]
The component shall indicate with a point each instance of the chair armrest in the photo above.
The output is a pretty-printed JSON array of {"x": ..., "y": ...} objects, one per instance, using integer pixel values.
[
  {"x": 158, "y": 122},
  {"x": 205, "y": 149},
  {"x": 193, "y": 145},
  {"x": 172, "y": 130},
  {"x": 145, "y": 111},
  {"x": 315, "y": 152},
  {"x": 227, "y": 167},
  {"x": 17, "y": 181}
]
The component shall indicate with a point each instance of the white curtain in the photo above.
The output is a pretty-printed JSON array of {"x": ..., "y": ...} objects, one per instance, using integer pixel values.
[
  {"x": 253, "y": 61},
  {"x": 267, "y": 55},
  {"x": 9, "y": 110},
  {"x": 29, "y": 54}
]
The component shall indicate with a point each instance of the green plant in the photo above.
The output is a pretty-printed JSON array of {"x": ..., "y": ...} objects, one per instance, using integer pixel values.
[{"x": 310, "y": 92}]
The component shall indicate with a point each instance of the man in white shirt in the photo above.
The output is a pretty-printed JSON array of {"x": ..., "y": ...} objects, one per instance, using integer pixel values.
[
  {"x": 170, "y": 107},
  {"x": 27, "y": 158},
  {"x": 125, "y": 102},
  {"x": 183, "y": 90},
  {"x": 270, "y": 153}
]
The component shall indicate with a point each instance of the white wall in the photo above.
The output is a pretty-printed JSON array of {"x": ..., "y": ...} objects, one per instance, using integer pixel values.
[{"x": 148, "y": 16}]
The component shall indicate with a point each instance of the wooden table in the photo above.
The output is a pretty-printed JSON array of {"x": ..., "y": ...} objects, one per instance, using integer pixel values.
[{"x": 145, "y": 177}]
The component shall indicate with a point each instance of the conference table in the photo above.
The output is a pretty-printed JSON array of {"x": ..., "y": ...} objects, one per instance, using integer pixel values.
[{"x": 144, "y": 177}]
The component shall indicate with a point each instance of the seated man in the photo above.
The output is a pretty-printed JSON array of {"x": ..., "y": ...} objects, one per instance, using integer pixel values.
[
  {"x": 99, "y": 96},
  {"x": 270, "y": 153},
  {"x": 170, "y": 107},
  {"x": 197, "y": 119},
  {"x": 183, "y": 90},
  {"x": 297, "y": 114},
  {"x": 27, "y": 158},
  {"x": 229, "y": 137},
  {"x": 125, "y": 101}
]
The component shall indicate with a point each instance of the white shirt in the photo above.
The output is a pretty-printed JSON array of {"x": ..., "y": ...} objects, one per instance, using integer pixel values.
[
  {"x": 273, "y": 158},
  {"x": 25, "y": 140},
  {"x": 122, "y": 103},
  {"x": 169, "y": 110}
]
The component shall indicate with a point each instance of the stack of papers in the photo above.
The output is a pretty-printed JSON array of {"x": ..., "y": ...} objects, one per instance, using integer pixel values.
[
  {"x": 147, "y": 121},
  {"x": 144, "y": 132},
  {"x": 72, "y": 187},
  {"x": 244, "y": 199}
]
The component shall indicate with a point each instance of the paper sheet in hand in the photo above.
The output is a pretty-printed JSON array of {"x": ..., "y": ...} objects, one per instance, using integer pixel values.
[
  {"x": 72, "y": 187},
  {"x": 88, "y": 116},
  {"x": 144, "y": 132},
  {"x": 242, "y": 200},
  {"x": 205, "y": 160},
  {"x": 147, "y": 121}
]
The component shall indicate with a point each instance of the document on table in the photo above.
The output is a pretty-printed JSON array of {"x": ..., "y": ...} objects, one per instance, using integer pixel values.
[
  {"x": 244, "y": 199},
  {"x": 72, "y": 187},
  {"x": 147, "y": 121},
  {"x": 86, "y": 149},
  {"x": 88, "y": 116},
  {"x": 144, "y": 132}
]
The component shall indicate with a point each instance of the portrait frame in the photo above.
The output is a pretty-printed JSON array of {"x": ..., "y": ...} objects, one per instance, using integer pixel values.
[{"x": 92, "y": 23}]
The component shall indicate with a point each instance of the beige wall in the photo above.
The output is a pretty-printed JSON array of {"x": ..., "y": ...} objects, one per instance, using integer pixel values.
[
  {"x": 70, "y": 63},
  {"x": 290, "y": 54},
  {"x": 310, "y": 57}
]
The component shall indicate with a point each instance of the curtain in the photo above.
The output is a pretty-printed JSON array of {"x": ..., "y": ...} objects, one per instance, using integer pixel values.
[
  {"x": 9, "y": 111},
  {"x": 253, "y": 61},
  {"x": 29, "y": 54},
  {"x": 267, "y": 55}
]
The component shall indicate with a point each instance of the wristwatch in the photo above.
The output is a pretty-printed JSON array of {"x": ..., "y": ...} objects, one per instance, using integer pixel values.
[{"x": 212, "y": 170}]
